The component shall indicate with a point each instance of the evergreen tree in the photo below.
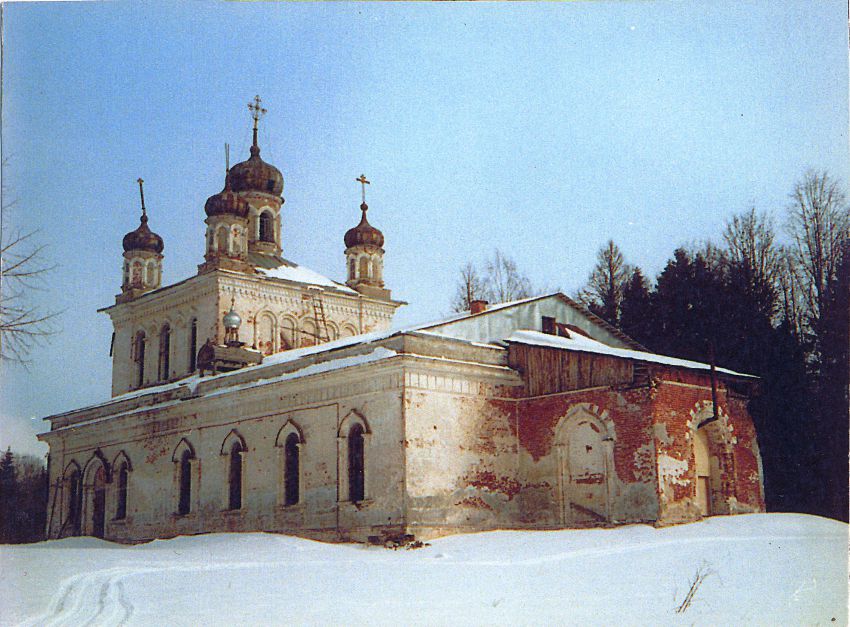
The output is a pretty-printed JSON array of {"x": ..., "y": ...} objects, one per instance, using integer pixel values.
[
  {"x": 603, "y": 293},
  {"x": 636, "y": 311},
  {"x": 8, "y": 496}
]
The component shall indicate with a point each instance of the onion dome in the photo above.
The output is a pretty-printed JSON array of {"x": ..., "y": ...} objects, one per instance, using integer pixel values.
[
  {"x": 255, "y": 175},
  {"x": 143, "y": 238},
  {"x": 231, "y": 319},
  {"x": 364, "y": 234},
  {"x": 226, "y": 202}
]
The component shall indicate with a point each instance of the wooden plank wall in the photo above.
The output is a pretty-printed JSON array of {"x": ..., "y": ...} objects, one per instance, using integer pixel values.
[{"x": 550, "y": 370}]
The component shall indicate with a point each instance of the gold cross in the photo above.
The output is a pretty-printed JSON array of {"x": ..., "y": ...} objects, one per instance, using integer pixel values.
[
  {"x": 362, "y": 180},
  {"x": 142, "y": 194},
  {"x": 256, "y": 110}
]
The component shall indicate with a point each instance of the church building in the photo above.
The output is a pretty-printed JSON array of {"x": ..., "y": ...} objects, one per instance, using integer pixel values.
[{"x": 259, "y": 395}]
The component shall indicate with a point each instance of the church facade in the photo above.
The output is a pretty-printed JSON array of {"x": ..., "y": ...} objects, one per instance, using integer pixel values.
[{"x": 259, "y": 395}]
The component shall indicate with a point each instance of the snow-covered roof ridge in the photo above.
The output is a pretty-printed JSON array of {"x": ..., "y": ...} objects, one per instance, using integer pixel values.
[
  {"x": 583, "y": 344},
  {"x": 291, "y": 271}
]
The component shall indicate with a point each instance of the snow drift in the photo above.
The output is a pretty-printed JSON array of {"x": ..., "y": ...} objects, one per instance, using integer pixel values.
[{"x": 761, "y": 569}]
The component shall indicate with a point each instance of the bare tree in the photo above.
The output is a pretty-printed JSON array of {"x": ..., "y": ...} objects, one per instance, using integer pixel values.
[
  {"x": 470, "y": 287},
  {"x": 603, "y": 294},
  {"x": 504, "y": 281},
  {"x": 23, "y": 324},
  {"x": 751, "y": 243},
  {"x": 499, "y": 282},
  {"x": 818, "y": 224}
]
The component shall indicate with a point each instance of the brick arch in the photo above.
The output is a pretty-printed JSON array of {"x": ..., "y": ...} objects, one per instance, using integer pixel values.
[
  {"x": 290, "y": 426},
  {"x": 584, "y": 444},
  {"x": 98, "y": 459},
  {"x": 182, "y": 445},
  {"x": 233, "y": 436},
  {"x": 593, "y": 412},
  {"x": 70, "y": 467},
  {"x": 120, "y": 458},
  {"x": 353, "y": 417},
  {"x": 721, "y": 441}
]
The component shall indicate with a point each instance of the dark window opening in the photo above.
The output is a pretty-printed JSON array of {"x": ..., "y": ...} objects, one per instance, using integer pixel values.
[
  {"x": 140, "y": 359},
  {"x": 270, "y": 185},
  {"x": 235, "y": 477},
  {"x": 356, "y": 483},
  {"x": 266, "y": 227},
  {"x": 291, "y": 470},
  {"x": 193, "y": 345},
  {"x": 99, "y": 504},
  {"x": 184, "y": 500},
  {"x": 75, "y": 502},
  {"x": 164, "y": 352},
  {"x": 123, "y": 477}
]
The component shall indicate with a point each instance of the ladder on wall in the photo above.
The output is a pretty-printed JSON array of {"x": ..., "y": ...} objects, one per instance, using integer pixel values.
[{"x": 322, "y": 333}]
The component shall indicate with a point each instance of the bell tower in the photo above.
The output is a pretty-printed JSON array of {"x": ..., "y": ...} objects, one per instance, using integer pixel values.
[
  {"x": 364, "y": 255},
  {"x": 142, "y": 258},
  {"x": 261, "y": 185}
]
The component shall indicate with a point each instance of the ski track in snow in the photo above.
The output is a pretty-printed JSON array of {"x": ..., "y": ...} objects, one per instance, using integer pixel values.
[{"x": 99, "y": 598}]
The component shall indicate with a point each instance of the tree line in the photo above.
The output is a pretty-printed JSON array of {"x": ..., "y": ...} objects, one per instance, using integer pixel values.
[
  {"x": 23, "y": 498},
  {"x": 764, "y": 301}
]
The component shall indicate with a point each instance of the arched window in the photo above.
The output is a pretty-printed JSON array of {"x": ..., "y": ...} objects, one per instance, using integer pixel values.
[
  {"x": 266, "y": 227},
  {"x": 150, "y": 279},
  {"x": 291, "y": 470},
  {"x": 123, "y": 480},
  {"x": 352, "y": 269},
  {"x": 235, "y": 476},
  {"x": 184, "y": 500},
  {"x": 126, "y": 275},
  {"x": 75, "y": 502},
  {"x": 364, "y": 268},
  {"x": 267, "y": 325},
  {"x": 98, "y": 513},
  {"x": 136, "y": 279},
  {"x": 164, "y": 352},
  {"x": 193, "y": 345},
  {"x": 356, "y": 467},
  {"x": 221, "y": 236},
  {"x": 139, "y": 353}
]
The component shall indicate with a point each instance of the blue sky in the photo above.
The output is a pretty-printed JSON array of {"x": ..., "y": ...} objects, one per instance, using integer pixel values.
[{"x": 541, "y": 129}]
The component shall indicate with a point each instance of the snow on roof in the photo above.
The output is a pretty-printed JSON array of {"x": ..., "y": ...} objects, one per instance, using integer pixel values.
[
  {"x": 192, "y": 382},
  {"x": 291, "y": 271},
  {"x": 581, "y": 343},
  {"x": 324, "y": 366}
]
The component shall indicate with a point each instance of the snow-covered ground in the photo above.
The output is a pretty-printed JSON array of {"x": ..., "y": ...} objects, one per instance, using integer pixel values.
[{"x": 769, "y": 569}]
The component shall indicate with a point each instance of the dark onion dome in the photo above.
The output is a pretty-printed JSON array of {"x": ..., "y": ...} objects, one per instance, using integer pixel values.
[
  {"x": 255, "y": 175},
  {"x": 364, "y": 234},
  {"x": 226, "y": 202},
  {"x": 143, "y": 238}
]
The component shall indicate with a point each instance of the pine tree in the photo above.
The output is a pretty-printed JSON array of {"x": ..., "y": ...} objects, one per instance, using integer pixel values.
[
  {"x": 8, "y": 497},
  {"x": 636, "y": 310}
]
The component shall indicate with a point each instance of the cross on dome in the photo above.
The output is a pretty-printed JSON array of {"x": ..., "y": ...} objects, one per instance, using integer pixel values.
[
  {"x": 257, "y": 111},
  {"x": 140, "y": 180},
  {"x": 363, "y": 182}
]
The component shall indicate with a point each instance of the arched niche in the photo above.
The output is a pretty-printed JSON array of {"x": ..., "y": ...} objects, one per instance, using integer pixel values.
[{"x": 584, "y": 442}]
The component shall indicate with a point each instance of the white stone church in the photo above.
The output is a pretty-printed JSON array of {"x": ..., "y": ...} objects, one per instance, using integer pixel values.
[{"x": 260, "y": 395}]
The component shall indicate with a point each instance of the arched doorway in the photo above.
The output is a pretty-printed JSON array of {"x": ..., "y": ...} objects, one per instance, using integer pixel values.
[
  {"x": 704, "y": 479},
  {"x": 99, "y": 503},
  {"x": 583, "y": 468}
]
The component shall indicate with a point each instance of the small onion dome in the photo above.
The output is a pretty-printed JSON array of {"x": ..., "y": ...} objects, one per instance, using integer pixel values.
[
  {"x": 226, "y": 202},
  {"x": 364, "y": 234},
  {"x": 255, "y": 175},
  {"x": 231, "y": 319},
  {"x": 143, "y": 238}
]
